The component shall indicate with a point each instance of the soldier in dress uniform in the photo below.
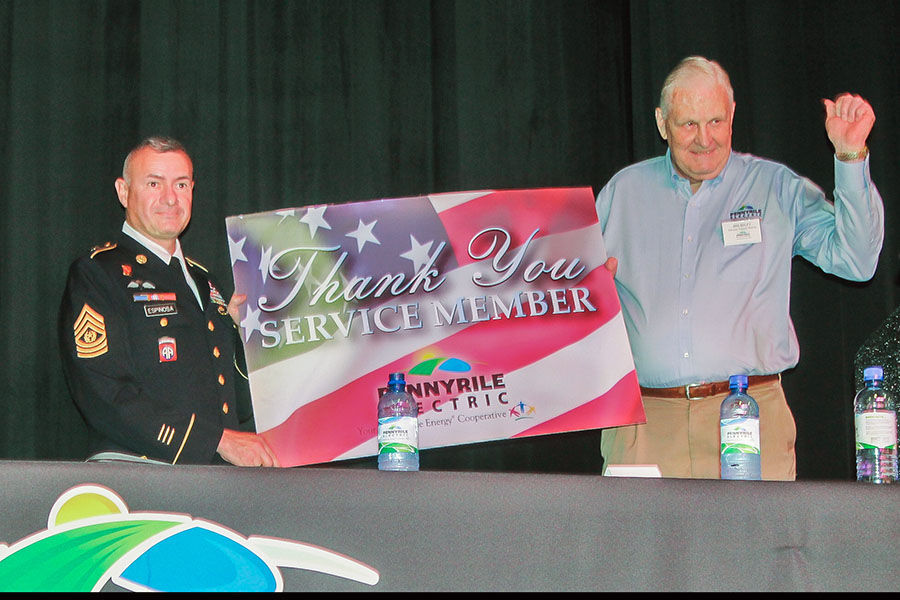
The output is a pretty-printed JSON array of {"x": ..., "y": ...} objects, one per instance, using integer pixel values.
[{"x": 147, "y": 340}]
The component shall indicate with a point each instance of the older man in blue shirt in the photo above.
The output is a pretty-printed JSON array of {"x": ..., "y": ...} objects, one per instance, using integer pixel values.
[{"x": 702, "y": 240}]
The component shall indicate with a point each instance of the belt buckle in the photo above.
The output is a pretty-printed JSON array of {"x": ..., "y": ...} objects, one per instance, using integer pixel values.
[{"x": 687, "y": 391}]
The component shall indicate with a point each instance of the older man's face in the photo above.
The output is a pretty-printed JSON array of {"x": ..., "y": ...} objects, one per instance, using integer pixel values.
[{"x": 698, "y": 129}]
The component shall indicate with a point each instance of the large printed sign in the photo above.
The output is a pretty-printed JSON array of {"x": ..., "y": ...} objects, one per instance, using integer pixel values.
[{"x": 496, "y": 305}]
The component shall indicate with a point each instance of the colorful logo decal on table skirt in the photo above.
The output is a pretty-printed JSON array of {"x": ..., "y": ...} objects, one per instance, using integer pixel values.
[{"x": 92, "y": 539}]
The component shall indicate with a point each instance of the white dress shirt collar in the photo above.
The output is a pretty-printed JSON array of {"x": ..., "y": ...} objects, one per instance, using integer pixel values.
[{"x": 152, "y": 246}]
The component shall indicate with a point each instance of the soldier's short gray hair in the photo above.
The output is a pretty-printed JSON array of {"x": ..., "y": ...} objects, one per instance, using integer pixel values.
[{"x": 159, "y": 143}]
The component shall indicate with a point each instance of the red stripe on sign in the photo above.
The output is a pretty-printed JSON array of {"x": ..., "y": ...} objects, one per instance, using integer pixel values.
[
  {"x": 615, "y": 406},
  {"x": 521, "y": 213}
]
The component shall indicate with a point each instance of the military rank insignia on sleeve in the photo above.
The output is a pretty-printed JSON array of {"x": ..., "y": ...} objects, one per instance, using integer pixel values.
[{"x": 90, "y": 333}]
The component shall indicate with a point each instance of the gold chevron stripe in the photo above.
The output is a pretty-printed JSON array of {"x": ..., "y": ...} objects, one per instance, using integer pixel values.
[{"x": 90, "y": 333}]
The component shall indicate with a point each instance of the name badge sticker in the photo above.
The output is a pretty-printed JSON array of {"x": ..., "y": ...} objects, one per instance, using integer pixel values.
[{"x": 742, "y": 231}]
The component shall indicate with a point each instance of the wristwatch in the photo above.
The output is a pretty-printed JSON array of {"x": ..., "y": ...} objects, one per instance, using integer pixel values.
[{"x": 858, "y": 155}]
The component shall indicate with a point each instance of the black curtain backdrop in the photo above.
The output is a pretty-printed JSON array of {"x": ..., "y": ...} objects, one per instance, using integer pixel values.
[{"x": 290, "y": 103}]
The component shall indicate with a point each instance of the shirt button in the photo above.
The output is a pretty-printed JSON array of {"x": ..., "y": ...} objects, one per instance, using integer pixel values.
[
  {"x": 684, "y": 312},
  {"x": 163, "y": 322},
  {"x": 216, "y": 351},
  {"x": 211, "y": 326},
  {"x": 221, "y": 379},
  {"x": 687, "y": 355},
  {"x": 225, "y": 408}
]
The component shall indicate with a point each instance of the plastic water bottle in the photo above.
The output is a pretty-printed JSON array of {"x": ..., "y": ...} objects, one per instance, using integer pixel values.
[
  {"x": 875, "y": 420},
  {"x": 398, "y": 427},
  {"x": 739, "y": 433}
]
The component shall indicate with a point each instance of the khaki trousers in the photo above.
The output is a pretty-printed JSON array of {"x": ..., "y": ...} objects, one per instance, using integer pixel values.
[{"x": 681, "y": 436}]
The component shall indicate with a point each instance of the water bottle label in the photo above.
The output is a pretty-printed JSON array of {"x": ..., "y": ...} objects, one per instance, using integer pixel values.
[
  {"x": 398, "y": 434},
  {"x": 739, "y": 435},
  {"x": 876, "y": 429}
]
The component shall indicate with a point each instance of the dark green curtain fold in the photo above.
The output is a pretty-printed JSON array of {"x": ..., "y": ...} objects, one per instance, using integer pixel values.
[{"x": 291, "y": 103}]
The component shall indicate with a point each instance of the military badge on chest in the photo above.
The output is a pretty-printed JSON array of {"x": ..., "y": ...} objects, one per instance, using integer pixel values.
[
  {"x": 168, "y": 352},
  {"x": 216, "y": 298},
  {"x": 155, "y": 304}
]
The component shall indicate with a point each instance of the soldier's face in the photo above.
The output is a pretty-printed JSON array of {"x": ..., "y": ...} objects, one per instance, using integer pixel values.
[{"x": 158, "y": 194}]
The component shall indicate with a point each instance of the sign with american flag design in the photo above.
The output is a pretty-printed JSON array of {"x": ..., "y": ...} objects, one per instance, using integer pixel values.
[{"x": 496, "y": 304}]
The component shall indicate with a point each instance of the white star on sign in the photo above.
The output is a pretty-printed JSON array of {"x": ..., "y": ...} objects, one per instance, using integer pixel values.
[
  {"x": 236, "y": 249},
  {"x": 264, "y": 260},
  {"x": 250, "y": 323},
  {"x": 315, "y": 218},
  {"x": 363, "y": 235},
  {"x": 418, "y": 253},
  {"x": 284, "y": 214}
]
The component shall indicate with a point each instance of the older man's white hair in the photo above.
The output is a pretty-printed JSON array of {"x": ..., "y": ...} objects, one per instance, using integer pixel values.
[{"x": 691, "y": 66}]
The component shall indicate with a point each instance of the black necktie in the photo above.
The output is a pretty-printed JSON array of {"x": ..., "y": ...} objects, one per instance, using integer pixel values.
[
  {"x": 181, "y": 283},
  {"x": 177, "y": 273}
]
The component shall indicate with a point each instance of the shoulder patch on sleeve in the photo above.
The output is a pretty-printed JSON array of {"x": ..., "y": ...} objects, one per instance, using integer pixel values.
[
  {"x": 90, "y": 333},
  {"x": 98, "y": 249}
]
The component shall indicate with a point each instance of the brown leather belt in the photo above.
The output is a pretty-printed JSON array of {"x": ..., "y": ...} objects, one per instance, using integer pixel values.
[{"x": 695, "y": 391}]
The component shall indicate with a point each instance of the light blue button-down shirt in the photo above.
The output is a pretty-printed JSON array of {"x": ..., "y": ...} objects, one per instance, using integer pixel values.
[{"x": 698, "y": 310}]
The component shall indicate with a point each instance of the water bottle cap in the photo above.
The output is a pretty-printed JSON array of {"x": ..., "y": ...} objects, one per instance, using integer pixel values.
[
  {"x": 871, "y": 373},
  {"x": 736, "y": 381},
  {"x": 397, "y": 378}
]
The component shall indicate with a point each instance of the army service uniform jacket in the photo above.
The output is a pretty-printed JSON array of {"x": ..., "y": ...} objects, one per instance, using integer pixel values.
[{"x": 150, "y": 372}]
